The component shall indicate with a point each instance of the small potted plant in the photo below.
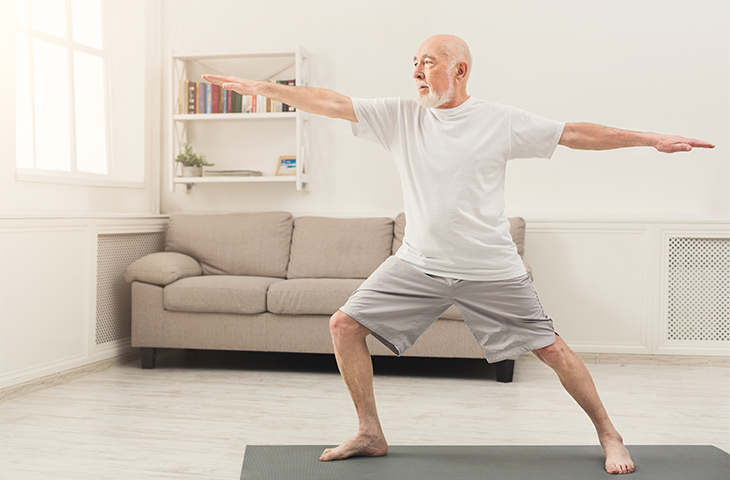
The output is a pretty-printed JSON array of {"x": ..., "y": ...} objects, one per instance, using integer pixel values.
[{"x": 192, "y": 163}]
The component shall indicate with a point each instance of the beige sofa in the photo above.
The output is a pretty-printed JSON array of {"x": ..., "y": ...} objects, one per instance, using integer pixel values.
[{"x": 270, "y": 282}]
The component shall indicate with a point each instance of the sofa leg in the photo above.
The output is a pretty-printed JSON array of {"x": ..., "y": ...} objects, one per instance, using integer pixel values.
[
  {"x": 505, "y": 370},
  {"x": 148, "y": 357}
]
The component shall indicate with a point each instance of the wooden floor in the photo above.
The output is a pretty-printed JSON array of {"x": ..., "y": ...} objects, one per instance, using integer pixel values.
[{"x": 193, "y": 415}]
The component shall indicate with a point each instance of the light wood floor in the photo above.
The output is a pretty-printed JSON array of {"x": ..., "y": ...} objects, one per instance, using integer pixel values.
[{"x": 193, "y": 415}]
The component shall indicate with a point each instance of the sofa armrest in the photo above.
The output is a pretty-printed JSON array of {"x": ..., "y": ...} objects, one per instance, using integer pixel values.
[{"x": 162, "y": 268}]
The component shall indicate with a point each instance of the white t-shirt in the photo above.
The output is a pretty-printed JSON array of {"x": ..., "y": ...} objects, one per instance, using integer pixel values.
[{"x": 452, "y": 164}]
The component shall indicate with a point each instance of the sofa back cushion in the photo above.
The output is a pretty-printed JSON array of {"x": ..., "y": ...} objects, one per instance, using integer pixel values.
[
  {"x": 254, "y": 244},
  {"x": 324, "y": 247}
]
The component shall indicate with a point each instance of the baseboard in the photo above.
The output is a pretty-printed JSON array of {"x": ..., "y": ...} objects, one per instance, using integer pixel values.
[
  {"x": 66, "y": 376},
  {"x": 645, "y": 359}
]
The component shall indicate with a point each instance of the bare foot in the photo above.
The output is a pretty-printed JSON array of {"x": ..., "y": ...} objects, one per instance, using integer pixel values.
[
  {"x": 618, "y": 459},
  {"x": 360, "y": 445}
]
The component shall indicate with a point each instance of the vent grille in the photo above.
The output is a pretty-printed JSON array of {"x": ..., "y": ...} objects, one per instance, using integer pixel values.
[
  {"x": 113, "y": 294},
  {"x": 699, "y": 289}
]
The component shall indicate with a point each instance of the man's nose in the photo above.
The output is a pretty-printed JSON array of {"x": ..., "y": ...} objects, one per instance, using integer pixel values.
[{"x": 418, "y": 73}]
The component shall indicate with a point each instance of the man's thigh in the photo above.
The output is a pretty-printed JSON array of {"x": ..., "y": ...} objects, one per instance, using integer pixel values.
[
  {"x": 505, "y": 316},
  {"x": 398, "y": 303}
]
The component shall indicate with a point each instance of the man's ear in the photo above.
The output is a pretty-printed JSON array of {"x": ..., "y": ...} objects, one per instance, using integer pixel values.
[{"x": 461, "y": 69}]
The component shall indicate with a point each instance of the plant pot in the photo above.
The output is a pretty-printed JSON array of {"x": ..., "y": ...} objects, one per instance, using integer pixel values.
[{"x": 192, "y": 171}]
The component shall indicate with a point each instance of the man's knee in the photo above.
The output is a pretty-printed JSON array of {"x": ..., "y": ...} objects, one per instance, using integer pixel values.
[
  {"x": 342, "y": 325},
  {"x": 554, "y": 354}
]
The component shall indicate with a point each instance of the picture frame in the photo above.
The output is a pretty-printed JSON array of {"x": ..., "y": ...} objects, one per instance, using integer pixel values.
[{"x": 287, "y": 166}]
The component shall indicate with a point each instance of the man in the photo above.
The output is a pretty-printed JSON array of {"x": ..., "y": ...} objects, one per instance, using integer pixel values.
[{"x": 450, "y": 150}]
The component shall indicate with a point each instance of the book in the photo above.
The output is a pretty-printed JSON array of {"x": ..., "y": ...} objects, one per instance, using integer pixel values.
[
  {"x": 208, "y": 98},
  {"x": 199, "y": 97},
  {"x": 214, "y": 98},
  {"x": 191, "y": 97},
  {"x": 182, "y": 96},
  {"x": 232, "y": 173},
  {"x": 237, "y": 97}
]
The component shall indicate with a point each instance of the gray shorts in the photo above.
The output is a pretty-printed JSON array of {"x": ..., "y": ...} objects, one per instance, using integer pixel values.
[{"x": 398, "y": 302}]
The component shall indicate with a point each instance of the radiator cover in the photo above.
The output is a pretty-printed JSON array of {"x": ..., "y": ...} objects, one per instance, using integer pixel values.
[
  {"x": 113, "y": 295},
  {"x": 698, "y": 290}
]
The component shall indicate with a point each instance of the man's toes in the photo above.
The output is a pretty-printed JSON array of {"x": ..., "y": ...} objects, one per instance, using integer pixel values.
[{"x": 619, "y": 469}]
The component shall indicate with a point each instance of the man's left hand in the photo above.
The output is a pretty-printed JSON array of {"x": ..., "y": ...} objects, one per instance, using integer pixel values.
[{"x": 673, "y": 143}]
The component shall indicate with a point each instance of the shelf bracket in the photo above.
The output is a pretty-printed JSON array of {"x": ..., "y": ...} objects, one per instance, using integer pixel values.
[{"x": 189, "y": 187}]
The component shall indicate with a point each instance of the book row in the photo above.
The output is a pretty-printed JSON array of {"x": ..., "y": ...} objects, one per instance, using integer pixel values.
[{"x": 202, "y": 97}]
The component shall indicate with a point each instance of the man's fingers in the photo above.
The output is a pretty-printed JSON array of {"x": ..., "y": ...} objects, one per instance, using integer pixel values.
[
  {"x": 700, "y": 144},
  {"x": 681, "y": 144},
  {"x": 219, "y": 79}
]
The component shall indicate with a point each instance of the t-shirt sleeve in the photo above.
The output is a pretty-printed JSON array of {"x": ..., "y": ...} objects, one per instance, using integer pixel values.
[
  {"x": 532, "y": 136},
  {"x": 376, "y": 119}
]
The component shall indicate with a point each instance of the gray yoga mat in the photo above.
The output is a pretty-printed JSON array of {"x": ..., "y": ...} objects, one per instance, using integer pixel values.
[{"x": 653, "y": 462}]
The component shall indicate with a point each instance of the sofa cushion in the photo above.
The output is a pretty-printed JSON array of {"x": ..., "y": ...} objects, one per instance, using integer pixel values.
[
  {"x": 339, "y": 247},
  {"x": 254, "y": 244},
  {"x": 399, "y": 231},
  {"x": 310, "y": 296},
  {"x": 218, "y": 294}
]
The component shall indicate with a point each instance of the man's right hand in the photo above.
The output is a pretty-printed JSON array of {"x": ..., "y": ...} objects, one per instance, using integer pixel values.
[{"x": 240, "y": 85}]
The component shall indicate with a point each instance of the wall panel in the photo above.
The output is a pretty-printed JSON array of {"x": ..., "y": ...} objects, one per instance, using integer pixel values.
[
  {"x": 43, "y": 297},
  {"x": 592, "y": 280}
]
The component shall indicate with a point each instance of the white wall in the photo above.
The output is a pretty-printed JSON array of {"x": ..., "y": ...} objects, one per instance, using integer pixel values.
[{"x": 624, "y": 63}]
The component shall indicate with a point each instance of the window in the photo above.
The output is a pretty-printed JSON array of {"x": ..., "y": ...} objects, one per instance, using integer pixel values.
[{"x": 61, "y": 95}]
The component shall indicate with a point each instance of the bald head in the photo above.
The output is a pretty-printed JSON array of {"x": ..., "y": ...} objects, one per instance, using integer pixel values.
[{"x": 452, "y": 47}]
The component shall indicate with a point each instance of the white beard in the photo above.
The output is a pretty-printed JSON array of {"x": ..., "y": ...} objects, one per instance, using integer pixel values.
[{"x": 433, "y": 99}]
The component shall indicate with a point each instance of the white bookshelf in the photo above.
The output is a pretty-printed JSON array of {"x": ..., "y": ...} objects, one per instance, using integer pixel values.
[
  {"x": 262, "y": 179},
  {"x": 204, "y": 117},
  {"x": 202, "y": 128}
]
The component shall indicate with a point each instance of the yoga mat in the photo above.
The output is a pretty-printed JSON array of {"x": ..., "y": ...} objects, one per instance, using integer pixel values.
[{"x": 653, "y": 462}]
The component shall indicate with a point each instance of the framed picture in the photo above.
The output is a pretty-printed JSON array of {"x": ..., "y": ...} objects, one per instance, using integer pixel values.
[{"x": 287, "y": 166}]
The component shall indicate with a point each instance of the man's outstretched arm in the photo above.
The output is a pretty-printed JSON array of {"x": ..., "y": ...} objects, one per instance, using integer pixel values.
[
  {"x": 589, "y": 136},
  {"x": 313, "y": 100}
]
